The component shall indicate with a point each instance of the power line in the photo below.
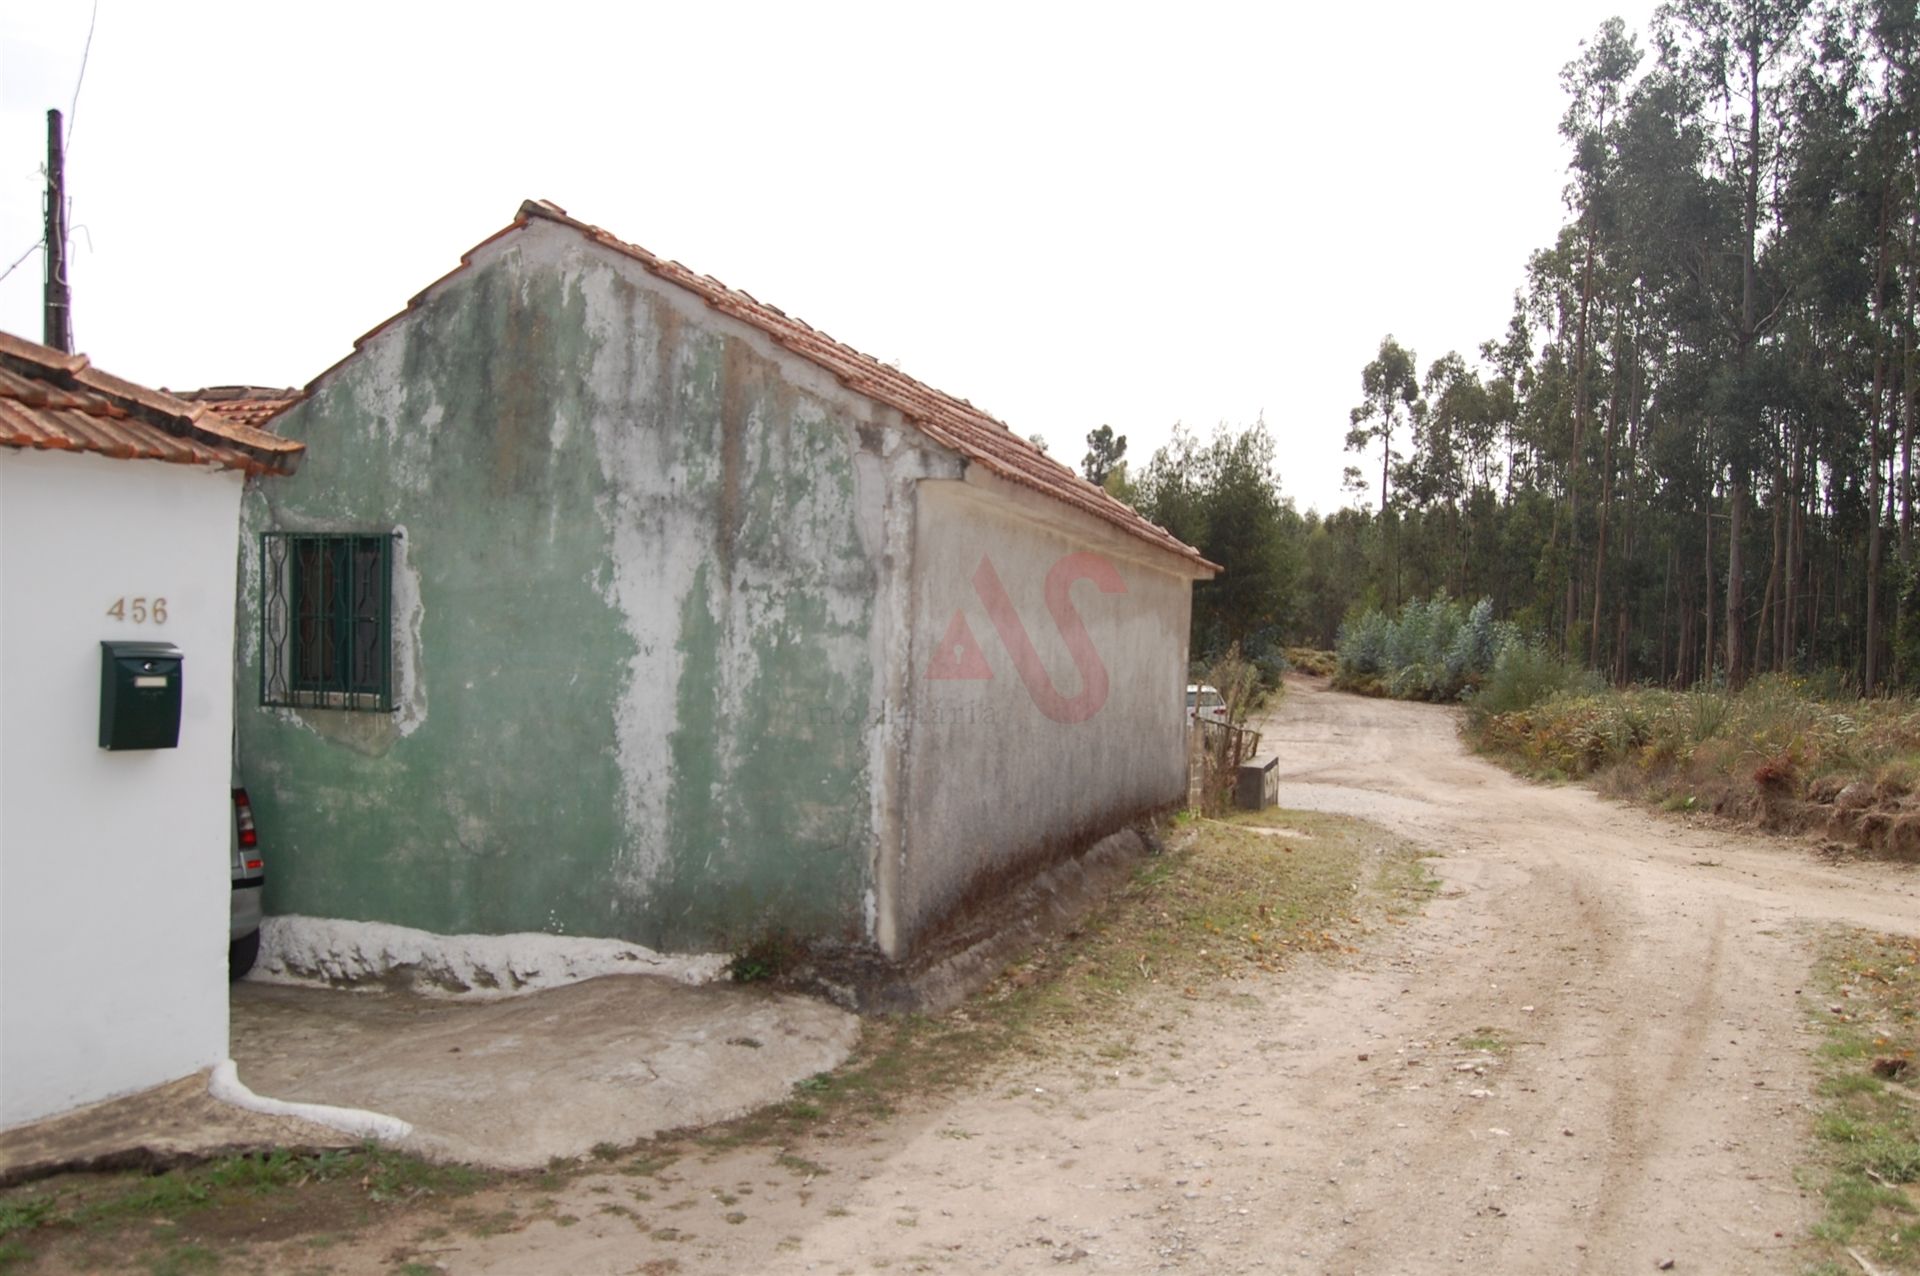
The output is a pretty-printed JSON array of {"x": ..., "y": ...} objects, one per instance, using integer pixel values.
[
  {"x": 73, "y": 108},
  {"x": 31, "y": 249}
]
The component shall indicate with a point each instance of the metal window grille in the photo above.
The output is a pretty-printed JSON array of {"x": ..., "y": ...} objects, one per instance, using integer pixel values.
[{"x": 326, "y": 620}]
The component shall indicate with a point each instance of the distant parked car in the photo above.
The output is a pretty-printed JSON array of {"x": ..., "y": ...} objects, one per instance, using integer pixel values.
[
  {"x": 1205, "y": 702},
  {"x": 249, "y": 883}
]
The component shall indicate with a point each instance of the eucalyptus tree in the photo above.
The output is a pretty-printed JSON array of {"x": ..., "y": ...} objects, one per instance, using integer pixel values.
[
  {"x": 1455, "y": 426},
  {"x": 1391, "y": 388},
  {"x": 1676, "y": 225},
  {"x": 1691, "y": 447},
  {"x": 1741, "y": 56},
  {"x": 1889, "y": 32},
  {"x": 1596, "y": 84},
  {"x": 1830, "y": 210}
]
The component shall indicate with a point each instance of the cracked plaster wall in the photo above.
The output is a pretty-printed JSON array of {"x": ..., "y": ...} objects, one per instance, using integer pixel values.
[{"x": 644, "y": 610}]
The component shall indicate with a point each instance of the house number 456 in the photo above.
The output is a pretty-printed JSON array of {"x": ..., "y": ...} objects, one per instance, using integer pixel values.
[{"x": 139, "y": 610}]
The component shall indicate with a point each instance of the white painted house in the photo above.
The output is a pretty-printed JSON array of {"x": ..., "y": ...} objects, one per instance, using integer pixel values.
[{"x": 119, "y": 519}]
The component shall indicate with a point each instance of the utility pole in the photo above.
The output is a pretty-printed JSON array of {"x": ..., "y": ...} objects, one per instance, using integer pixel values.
[{"x": 57, "y": 320}]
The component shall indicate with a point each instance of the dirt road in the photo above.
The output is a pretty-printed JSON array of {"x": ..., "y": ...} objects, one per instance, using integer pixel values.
[{"x": 1648, "y": 1099}]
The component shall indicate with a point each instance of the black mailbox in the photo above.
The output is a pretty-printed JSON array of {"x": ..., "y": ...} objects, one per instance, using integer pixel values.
[{"x": 139, "y": 695}]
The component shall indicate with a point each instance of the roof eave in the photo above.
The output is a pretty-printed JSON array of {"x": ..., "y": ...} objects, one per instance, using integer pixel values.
[{"x": 228, "y": 446}]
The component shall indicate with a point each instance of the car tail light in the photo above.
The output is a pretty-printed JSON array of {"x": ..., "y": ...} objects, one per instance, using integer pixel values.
[{"x": 243, "y": 820}]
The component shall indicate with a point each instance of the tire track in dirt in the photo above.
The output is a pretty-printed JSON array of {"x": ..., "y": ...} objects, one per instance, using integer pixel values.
[
  {"x": 1674, "y": 1049},
  {"x": 1648, "y": 1101}
]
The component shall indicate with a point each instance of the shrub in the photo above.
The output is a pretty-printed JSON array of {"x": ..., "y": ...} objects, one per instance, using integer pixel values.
[
  {"x": 1238, "y": 681},
  {"x": 1477, "y": 643},
  {"x": 1773, "y": 739},
  {"x": 1435, "y": 649},
  {"x": 1268, "y": 658},
  {"x": 1571, "y": 734},
  {"x": 1311, "y": 660},
  {"x": 1523, "y": 675},
  {"x": 1361, "y": 649}
]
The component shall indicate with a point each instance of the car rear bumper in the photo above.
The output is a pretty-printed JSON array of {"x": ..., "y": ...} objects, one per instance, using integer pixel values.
[{"x": 245, "y": 916}]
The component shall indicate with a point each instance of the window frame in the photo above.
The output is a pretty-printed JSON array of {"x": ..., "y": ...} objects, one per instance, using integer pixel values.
[{"x": 327, "y": 643}]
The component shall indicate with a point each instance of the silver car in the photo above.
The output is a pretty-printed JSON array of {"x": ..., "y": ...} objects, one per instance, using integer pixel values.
[
  {"x": 249, "y": 883},
  {"x": 1205, "y": 703}
]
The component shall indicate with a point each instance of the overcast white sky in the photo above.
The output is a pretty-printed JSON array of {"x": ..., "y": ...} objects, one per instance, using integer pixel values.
[{"x": 1068, "y": 214}]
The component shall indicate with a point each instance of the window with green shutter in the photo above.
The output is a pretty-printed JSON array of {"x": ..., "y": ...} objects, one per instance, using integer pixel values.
[{"x": 326, "y": 620}]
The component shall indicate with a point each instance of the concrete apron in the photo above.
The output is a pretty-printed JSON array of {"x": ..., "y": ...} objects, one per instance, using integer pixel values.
[{"x": 516, "y": 1082}]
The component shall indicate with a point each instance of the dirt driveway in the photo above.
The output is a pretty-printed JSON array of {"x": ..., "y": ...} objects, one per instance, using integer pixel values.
[{"x": 1644, "y": 1099}]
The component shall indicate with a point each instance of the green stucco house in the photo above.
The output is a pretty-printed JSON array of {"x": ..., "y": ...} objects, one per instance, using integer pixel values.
[{"x": 611, "y": 602}]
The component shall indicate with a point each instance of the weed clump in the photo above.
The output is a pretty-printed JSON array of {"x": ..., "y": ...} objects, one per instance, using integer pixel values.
[{"x": 767, "y": 959}]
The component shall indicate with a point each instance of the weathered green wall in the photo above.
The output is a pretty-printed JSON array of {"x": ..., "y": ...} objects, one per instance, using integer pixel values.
[{"x": 633, "y": 613}]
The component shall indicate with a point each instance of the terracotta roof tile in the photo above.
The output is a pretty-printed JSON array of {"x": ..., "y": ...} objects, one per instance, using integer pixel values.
[
  {"x": 248, "y": 405},
  {"x": 54, "y": 401},
  {"x": 952, "y": 422}
]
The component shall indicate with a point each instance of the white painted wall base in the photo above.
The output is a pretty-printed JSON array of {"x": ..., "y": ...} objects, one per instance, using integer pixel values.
[
  {"x": 226, "y": 1086},
  {"x": 329, "y": 952}
]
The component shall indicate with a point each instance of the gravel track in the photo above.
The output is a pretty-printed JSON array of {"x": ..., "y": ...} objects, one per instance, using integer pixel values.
[{"x": 1649, "y": 1100}]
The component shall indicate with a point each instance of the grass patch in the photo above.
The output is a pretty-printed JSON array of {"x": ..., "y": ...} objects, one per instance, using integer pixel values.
[
  {"x": 485, "y": 1223},
  {"x": 1490, "y": 1040},
  {"x": 24, "y": 1216},
  {"x": 179, "y": 1260},
  {"x": 1227, "y": 901},
  {"x": 651, "y": 1158},
  {"x": 178, "y": 1221},
  {"x": 1868, "y": 1126},
  {"x": 800, "y": 1165}
]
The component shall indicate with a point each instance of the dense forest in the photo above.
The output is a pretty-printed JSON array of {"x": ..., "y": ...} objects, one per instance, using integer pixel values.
[{"x": 1689, "y": 456}]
